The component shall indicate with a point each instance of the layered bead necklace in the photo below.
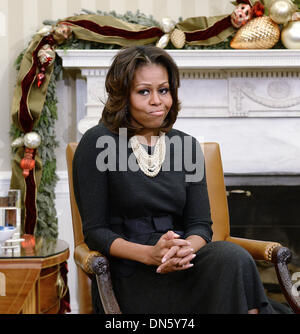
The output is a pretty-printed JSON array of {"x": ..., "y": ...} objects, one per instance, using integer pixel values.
[{"x": 150, "y": 164}]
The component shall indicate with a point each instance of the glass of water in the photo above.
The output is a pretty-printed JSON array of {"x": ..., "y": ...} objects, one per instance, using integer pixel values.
[{"x": 10, "y": 210}]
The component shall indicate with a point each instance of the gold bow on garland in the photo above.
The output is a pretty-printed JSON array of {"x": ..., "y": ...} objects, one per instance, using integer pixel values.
[{"x": 38, "y": 63}]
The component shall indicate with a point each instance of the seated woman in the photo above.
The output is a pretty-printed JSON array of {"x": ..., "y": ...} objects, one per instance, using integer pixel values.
[{"x": 141, "y": 191}]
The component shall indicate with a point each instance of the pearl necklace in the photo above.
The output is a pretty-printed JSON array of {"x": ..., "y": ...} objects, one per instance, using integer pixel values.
[{"x": 149, "y": 164}]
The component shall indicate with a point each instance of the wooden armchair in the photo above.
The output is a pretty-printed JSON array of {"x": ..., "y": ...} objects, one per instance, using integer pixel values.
[{"x": 93, "y": 263}]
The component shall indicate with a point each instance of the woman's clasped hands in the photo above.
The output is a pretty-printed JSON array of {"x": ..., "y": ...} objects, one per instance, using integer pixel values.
[{"x": 172, "y": 253}]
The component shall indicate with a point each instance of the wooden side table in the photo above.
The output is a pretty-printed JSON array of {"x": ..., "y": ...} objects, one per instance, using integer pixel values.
[{"x": 31, "y": 282}]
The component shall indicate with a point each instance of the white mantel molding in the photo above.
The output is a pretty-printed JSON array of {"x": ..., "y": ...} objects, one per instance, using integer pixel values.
[{"x": 194, "y": 59}]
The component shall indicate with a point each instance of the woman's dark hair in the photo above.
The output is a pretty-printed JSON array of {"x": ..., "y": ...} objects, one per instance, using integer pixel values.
[{"x": 118, "y": 82}]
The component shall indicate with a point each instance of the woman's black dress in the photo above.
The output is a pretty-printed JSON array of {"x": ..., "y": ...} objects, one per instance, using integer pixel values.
[{"x": 125, "y": 203}]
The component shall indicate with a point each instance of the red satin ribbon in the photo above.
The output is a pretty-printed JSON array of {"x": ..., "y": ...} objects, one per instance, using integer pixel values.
[
  {"x": 30, "y": 202},
  {"x": 111, "y": 31},
  {"x": 151, "y": 32},
  {"x": 212, "y": 31},
  {"x": 27, "y": 123},
  {"x": 25, "y": 118}
]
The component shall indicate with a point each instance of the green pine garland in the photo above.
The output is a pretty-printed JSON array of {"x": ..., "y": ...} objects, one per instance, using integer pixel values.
[{"x": 47, "y": 222}]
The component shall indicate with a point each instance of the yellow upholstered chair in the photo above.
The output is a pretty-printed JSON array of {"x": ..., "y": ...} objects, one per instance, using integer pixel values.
[{"x": 93, "y": 263}]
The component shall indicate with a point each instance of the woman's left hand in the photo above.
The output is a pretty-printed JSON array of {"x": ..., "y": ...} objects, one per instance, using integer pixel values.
[
  {"x": 173, "y": 265},
  {"x": 177, "y": 258},
  {"x": 180, "y": 257}
]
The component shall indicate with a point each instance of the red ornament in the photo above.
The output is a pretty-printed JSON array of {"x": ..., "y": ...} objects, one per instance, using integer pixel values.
[
  {"x": 29, "y": 241},
  {"x": 27, "y": 163},
  {"x": 241, "y": 15},
  {"x": 48, "y": 61},
  {"x": 258, "y": 9},
  {"x": 40, "y": 79},
  {"x": 28, "y": 244}
]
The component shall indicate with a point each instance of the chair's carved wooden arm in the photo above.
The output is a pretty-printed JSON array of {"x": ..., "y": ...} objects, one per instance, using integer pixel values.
[
  {"x": 94, "y": 263},
  {"x": 260, "y": 250},
  {"x": 83, "y": 256},
  {"x": 281, "y": 256},
  {"x": 100, "y": 267}
]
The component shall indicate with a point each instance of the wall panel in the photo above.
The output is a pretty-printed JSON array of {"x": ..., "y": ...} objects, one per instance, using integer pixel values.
[
  {"x": 103, "y": 5},
  {"x": 30, "y": 20},
  {"x": 59, "y": 9},
  {"x": 5, "y": 89}
]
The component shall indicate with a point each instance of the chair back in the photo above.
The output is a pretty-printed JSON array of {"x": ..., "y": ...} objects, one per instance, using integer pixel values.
[
  {"x": 217, "y": 199},
  {"x": 216, "y": 191},
  {"x": 76, "y": 219},
  {"x": 84, "y": 282}
]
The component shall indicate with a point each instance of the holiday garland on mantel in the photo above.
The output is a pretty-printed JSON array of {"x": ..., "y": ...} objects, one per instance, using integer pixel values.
[{"x": 34, "y": 108}]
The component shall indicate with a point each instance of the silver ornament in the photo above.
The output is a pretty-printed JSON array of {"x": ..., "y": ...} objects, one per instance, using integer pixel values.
[
  {"x": 167, "y": 25},
  {"x": 290, "y": 35},
  {"x": 281, "y": 11},
  {"x": 163, "y": 41},
  {"x": 18, "y": 142},
  {"x": 46, "y": 30},
  {"x": 32, "y": 140}
]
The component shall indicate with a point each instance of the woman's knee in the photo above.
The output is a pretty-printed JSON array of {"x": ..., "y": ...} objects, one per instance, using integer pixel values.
[{"x": 228, "y": 252}]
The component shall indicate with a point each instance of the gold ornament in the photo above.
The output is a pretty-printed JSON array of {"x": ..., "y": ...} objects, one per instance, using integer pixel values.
[
  {"x": 259, "y": 33},
  {"x": 178, "y": 38},
  {"x": 62, "y": 32},
  {"x": 281, "y": 11},
  {"x": 290, "y": 35}
]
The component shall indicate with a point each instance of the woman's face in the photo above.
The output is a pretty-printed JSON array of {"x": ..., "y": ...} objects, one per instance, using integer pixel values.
[{"x": 150, "y": 96}]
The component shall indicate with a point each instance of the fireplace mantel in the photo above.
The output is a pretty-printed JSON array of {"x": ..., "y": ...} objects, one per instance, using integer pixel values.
[
  {"x": 247, "y": 100},
  {"x": 194, "y": 59}
]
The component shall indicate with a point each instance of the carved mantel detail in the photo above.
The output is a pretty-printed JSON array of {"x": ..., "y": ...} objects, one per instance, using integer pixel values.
[
  {"x": 264, "y": 94},
  {"x": 245, "y": 83}
]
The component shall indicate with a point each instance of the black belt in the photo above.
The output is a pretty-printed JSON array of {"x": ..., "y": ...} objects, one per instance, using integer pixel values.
[{"x": 139, "y": 230}]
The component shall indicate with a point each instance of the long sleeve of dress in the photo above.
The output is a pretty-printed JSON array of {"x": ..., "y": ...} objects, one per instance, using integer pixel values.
[
  {"x": 196, "y": 213},
  {"x": 197, "y": 218},
  {"x": 91, "y": 193}
]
